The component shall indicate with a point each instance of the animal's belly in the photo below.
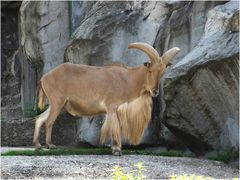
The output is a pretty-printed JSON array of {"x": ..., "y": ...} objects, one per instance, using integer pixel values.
[{"x": 84, "y": 108}]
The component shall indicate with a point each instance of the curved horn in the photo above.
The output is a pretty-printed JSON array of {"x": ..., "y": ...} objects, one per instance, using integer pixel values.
[
  {"x": 149, "y": 50},
  {"x": 169, "y": 55}
]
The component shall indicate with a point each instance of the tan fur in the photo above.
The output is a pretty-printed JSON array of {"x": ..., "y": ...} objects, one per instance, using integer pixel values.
[
  {"x": 111, "y": 129},
  {"x": 134, "y": 117},
  {"x": 39, "y": 121},
  {"x": 41, "y": 100}
]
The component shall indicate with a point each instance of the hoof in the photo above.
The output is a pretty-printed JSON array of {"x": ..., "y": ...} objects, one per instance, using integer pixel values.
[
  {"x": 51, "y": 146},
  {"x": 117, "y": 153},
  {"x": 38, "y": 146}
]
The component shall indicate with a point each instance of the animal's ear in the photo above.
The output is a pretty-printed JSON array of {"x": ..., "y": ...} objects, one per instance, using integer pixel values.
[{"x": 147, "y": 64}]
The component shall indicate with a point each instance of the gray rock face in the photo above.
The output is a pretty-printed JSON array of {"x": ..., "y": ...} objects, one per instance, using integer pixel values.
[
  {"x": 44, "y": 32},
  {"x": 20, "y": 132},
  {"x": 201, "y": 90},
  {"x": 43, "y": 36},
  {"x": 104, "y": 31},
  {"x": 10, "y": 63},
  {"x": 88, "y": 130},
  {"x": 183, "y": 27}
]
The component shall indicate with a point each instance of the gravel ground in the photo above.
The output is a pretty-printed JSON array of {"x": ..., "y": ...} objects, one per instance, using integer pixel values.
[{"x": 100, "y": 167}]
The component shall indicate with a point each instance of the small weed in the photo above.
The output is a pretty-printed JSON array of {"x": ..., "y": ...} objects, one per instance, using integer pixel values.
[
  {"x": 135, "y": 174},
  {"x": 30, "y": 112},
  {"x": 173, "y": 153},
  {"x": 2, "y": 119},
  {"x": 33, "y": 111}
]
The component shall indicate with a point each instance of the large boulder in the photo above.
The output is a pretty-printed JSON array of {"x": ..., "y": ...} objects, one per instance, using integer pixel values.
[
  {"x": 183, "y": 27},
  {"x": 201, "y": 90}
]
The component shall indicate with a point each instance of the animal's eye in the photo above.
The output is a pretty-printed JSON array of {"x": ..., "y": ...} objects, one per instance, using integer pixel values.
[{"x": 147, "y": 64}]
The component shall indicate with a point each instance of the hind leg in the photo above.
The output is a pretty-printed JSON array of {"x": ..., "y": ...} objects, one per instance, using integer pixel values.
[
  {"x": 49, "y": 125},
  {"x": 40, "y": 120}
]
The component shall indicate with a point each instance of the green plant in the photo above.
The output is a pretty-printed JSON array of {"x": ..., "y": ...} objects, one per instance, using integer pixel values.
[
  {"x": 33, "y": 111},
  {"x": 59, "y": 151},
  {"x": 2, "y": 119},
  {"x": 135, "y": 174},
  {"x": 225, "y": 156},
  {"x": 30, "y": 112},
  {"x": 88, "y": 151},
  {"x": 140, "y": 169},
  {"x": 173, "y": 153}
]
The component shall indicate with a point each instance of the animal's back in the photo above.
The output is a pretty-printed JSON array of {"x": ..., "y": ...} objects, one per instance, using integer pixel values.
[{"x": 89, "y": 83}]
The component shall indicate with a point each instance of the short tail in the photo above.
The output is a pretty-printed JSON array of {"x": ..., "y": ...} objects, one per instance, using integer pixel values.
[{"x": 41, "y": 98}]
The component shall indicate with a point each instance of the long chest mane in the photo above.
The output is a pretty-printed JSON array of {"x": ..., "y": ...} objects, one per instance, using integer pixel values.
[{"x": 134, "y": 116}]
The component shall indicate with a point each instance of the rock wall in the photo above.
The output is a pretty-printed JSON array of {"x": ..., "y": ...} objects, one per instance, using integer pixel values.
[
  {"x": 42, "y": 43},
  {"x": 45, "y": 40},
  {"x": 10, "y": 63},
  {"x": 43, "y": 35},
  {"x": 20, "y": 132},
  {"x": 198, "y": 103}
]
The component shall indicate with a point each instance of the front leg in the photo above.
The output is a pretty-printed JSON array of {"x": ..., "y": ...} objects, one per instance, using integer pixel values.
[
  {"x": 116, "y": 149},
  {"x": 116, "y": 135},
  {"x": 111, "y": 129}
]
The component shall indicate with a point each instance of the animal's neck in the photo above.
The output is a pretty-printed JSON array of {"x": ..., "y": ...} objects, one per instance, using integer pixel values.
[{"x": 138, "y": 76}]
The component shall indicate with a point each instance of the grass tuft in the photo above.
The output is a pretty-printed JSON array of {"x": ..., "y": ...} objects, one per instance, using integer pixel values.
[
  {"x": 59, "y": 152},
  {"x": 225, "y": 156},
  {"x": 30, "y": 112},
  {"x": 89, "y": 151}
]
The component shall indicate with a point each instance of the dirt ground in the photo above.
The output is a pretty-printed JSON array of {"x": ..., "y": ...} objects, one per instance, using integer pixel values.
[{"x": 100, "y": 167}]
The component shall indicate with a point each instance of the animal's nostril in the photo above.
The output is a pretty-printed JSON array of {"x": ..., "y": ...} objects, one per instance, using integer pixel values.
[{"x": 155, "y": 92}]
